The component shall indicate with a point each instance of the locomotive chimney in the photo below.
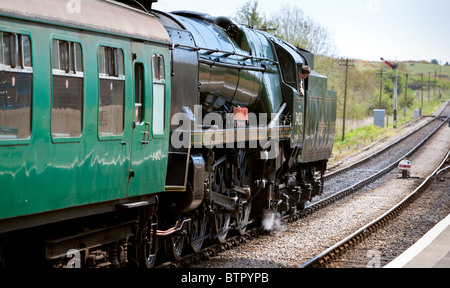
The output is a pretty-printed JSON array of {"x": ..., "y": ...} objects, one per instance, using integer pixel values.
[
  {"x": 151, "y": 3},
  {"x": 147, "y": 4}
]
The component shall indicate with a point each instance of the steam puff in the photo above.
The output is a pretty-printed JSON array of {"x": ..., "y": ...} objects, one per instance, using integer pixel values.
[{"x": 273, "y": 222}]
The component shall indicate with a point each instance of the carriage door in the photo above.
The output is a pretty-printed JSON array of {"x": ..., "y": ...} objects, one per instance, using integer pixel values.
[{"x": 141, "y": 148}]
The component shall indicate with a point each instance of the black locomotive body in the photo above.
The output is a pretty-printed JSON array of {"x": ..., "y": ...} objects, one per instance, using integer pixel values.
[{"x": 244, "y": 140}]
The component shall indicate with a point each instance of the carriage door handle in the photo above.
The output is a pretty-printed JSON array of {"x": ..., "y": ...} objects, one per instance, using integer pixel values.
[{"x": 146, "y": 133}]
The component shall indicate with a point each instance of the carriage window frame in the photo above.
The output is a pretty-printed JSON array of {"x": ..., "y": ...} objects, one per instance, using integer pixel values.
[
  {"x": 139, "y": 92},
  {"x": 158, "y": 104},
  {"x": 72, "y": 68},
  {"x": 111, "y": 69},
  {"x": 26, "y": 66}
]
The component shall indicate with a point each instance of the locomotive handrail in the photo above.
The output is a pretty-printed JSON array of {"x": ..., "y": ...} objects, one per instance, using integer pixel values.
[
  {"x": 230, "y": 65},
  {"x": 277, "y": 116},
  {"x": 226, "y": 53}
]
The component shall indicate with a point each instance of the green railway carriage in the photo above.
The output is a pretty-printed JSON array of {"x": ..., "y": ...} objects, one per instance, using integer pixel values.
[{"x": 84, "y": 110}]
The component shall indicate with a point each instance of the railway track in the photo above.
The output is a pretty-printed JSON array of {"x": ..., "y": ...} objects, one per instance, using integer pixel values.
[
  {"x": 401, "y": 232},
  {"x": 334, "y": 252},
  {"x": 331, "y": 196},
  {"x": 374, "y": 166}
]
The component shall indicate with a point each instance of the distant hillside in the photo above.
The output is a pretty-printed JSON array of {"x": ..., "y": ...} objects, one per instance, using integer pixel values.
[
  {"x": 410, "y": 67},
  {"x": 367, "y": 64}
]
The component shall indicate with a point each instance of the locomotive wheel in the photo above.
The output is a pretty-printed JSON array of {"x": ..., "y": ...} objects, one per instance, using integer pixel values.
[
  {"x": 222, "y": 225},
  {"x": 243, "y": 170},
  {"x": 244, "y": 213},
  {"x": 175, "y": 246},
  {"x": 220, "y": 186},
  {"x": 301, "y": 205},
  {"x": 243, "y": 179},
  {"x": 146, "y": 243},
  {"x": 198, "y": 231}
]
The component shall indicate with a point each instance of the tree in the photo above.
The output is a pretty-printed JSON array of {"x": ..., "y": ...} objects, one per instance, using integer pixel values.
[
  {"x": 249, "y": 15},
  {"x": 300, "y": 30},
  {"x": 291, "y": 25}
]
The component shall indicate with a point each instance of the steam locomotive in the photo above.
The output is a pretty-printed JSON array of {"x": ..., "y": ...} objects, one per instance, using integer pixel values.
[{"x": 127, "y": 133}]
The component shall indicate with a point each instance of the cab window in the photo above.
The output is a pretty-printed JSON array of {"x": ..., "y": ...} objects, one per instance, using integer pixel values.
[{"x": 287, "y": 65}]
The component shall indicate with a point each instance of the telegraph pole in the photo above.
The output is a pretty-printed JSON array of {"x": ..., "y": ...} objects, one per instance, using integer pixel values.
[
  {"x": 434, "y": 87},
  {"x": 406, "y": 94},
  {"x": 395, "y": 97},
  {"x": 429, "y": 83},
  {"x": 381, "y": 88},
  {"x": 421, "y": 92},
  {"x": 346, "y": 64}
]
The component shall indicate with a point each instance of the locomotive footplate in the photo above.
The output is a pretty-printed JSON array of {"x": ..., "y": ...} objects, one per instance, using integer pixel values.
[{"x": 217, "y": 137}]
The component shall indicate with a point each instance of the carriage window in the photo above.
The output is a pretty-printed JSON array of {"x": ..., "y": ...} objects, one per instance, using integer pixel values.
[
  {"x": 67, "y": 119},
  {"x": 159, "y": 85},
  {"x": 158, "y": 67},
  {"x": 139, "y": 92},
  {"x": 16, "y": 74},
  {"x": 112, "y": 91}
]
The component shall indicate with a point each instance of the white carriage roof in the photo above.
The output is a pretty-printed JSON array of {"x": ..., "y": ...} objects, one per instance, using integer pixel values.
[{"x": 104, "y": 15}]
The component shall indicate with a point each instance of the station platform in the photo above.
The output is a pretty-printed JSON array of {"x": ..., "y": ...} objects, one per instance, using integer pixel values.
[{"x": 431, "y": 251}]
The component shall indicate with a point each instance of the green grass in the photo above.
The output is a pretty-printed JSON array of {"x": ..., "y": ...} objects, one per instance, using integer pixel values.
[
  {"x": 357, "y": 139},
  {"x": 360, "y": 135}
]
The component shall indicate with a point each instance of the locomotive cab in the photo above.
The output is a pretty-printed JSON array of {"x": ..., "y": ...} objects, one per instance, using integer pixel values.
[{"x": 291, "y": 63}]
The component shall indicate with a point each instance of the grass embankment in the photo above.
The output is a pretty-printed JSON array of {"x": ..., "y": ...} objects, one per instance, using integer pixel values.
[{"x": 364, "y": 137}]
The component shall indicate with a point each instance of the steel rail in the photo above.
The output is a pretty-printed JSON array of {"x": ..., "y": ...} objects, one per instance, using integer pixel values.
[
  {"x": 341, "y": 194},
  {"x": 351, "y": 240}
]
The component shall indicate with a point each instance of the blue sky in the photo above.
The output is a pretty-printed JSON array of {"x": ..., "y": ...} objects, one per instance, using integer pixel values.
[{"x": 362, "y": 29}]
